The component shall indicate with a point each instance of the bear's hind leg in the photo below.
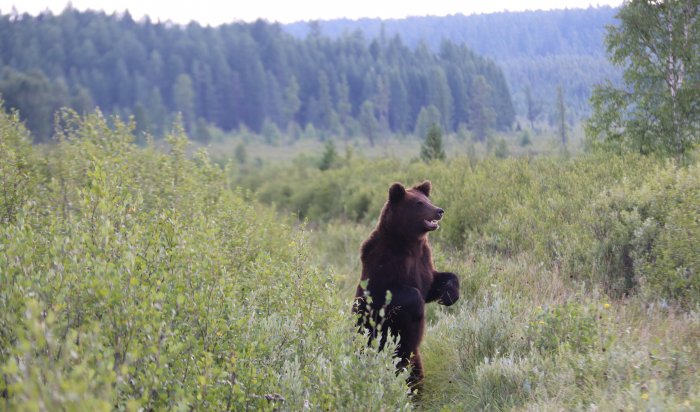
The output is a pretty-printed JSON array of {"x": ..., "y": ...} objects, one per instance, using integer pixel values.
[{"x": 406, "y": 319}]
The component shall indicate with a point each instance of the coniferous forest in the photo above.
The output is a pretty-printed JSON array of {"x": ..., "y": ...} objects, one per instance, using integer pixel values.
[
  {"x": 253, "y": 75},
  {"x": 537, "y": 50}
]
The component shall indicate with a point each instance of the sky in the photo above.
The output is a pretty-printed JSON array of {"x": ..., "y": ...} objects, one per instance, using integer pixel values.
[{"x": 215, "y": 12}]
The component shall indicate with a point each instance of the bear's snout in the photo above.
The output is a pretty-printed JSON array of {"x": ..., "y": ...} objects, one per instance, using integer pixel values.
[{"x": 440, "y": 212}]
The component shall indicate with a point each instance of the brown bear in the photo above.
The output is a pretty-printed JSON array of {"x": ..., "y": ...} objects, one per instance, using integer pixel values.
[{"x": 398, "y": 275}]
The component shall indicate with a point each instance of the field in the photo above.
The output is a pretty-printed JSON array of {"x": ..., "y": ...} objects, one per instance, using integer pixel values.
[{"x": 140, "y": 278}]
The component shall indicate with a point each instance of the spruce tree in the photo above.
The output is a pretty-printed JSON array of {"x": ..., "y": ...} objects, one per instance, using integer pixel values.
[
  {"x": 562, "y": 127},
  {"x": 432, "y": 147},
  {"x": 329, "y": 156}
]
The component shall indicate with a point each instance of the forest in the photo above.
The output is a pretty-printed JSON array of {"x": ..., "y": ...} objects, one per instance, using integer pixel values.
[
  {"x": 537, "y": 50},
  {"x": 144, "y": 269},
  {"x": 241, "y": 75}
]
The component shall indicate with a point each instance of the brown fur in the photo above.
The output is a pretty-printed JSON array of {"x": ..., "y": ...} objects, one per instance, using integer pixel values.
[{"x": 396, "y": 258}]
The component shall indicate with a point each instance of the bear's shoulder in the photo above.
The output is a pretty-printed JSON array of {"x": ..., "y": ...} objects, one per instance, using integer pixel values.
[{"x": 370, "y": 245}]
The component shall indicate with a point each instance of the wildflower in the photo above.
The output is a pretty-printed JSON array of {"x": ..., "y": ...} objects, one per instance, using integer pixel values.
[
  {"x": 606, "y": 305},
  {"x": 645, "y": 396}
]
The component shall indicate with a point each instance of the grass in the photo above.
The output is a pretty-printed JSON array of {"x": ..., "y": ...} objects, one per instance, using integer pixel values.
[
  {"x": 537, "y": 327},
  {"x": 542, "y": 142},
  {"x": 526, "y": 337}
]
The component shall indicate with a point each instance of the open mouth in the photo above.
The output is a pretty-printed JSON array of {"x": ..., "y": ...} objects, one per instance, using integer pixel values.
[{"x": 431, "y": 224}]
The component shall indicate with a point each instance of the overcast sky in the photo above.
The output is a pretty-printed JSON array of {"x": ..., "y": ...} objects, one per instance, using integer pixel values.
[{"x": 214, "y": 12}]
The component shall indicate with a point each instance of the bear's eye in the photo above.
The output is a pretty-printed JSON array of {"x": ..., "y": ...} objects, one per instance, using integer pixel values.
[{"x": 419, "y": 203}]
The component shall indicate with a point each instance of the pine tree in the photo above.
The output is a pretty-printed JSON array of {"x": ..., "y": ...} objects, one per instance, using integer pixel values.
[
  {"x": 432, "y": 147},
  {"x": 183, "y": 94},
  {"x": 368, "y": 121},
  {"x": 533, "y": 109},
  {"x": 562, "y": 127},
  {"x": 482, "y": 116},
  {"x": 291, "y": 100},
  {"x": 142, "y": 122},
  {"x": 329, "y": 156},
  {"x": 427, "y": 117}
]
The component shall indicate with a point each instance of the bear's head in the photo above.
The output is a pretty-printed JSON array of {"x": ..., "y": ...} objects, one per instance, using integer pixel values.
[{"x": 409, "y": 212}]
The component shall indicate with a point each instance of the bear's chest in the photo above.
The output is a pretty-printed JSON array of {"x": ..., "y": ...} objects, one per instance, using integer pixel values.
[
  {"x": 416, "y": 272},
  {"x": 386, "y": 266}
]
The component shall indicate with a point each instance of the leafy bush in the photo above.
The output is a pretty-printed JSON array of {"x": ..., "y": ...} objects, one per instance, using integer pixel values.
[
  {"x": 647, "y": 234},
  {"x": 134, "y": 279},
  {"x": 499, "y": 206},
  {"x": 17, "y": 166},
  {"x": 352, "y": 192},
  {"x": 572, "y": 325}
]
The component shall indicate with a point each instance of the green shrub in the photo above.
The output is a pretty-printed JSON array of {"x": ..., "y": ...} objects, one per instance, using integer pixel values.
[
  {"x": 618, "y": 221},
  {"x": 647, "y": 235},
  {"x": 135, "y": 279},
  {"x": 17, "y": 166},
  {"x": 352, "y": 192},
  {"x": 571, "y": 325}
]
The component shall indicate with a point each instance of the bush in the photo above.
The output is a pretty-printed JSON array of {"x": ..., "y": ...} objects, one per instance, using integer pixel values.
[
  {"x": 17, "y": 166},
  {"x": 572, "y": 325},
  {"x": 352, "y": 192},
  {"x": 647, "y": 235},
  {"x": 134, "y": 279},
  {"x": 620, "y": 221}
]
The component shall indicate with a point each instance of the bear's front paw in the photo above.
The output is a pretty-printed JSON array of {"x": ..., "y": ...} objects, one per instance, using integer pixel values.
[
  {"x": 445, "y": 289},
  {"x": 450, "y": 294}
]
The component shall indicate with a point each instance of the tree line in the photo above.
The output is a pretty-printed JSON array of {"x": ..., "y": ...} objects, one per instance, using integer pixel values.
[
  {"x": 251, "y": 75},
  {"x": 540, "y": 50}
]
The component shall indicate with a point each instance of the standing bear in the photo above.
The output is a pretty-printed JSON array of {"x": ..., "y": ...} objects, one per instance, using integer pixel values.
[{"x": 398, "y": 275}]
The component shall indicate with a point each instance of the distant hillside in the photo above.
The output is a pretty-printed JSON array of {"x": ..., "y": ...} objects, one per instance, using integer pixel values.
[{"x": 536, "y": 49}]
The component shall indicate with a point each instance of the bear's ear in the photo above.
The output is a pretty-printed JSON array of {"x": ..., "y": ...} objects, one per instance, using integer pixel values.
[
  {"x": 396, "y": 192},
  {"x": 424, "y": 188}
]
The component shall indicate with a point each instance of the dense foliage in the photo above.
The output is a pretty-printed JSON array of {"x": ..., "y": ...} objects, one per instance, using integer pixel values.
[
  {"x": 137, "y": 279},
  {"x": 132, "y": 279},
  {"x": 253, "y": 75},
  {"x": 624, "y": 223},
  {"x": 536, "y": 49},
  {"x": 657, "y": 110},
  {"x": 579, "y": 276}
]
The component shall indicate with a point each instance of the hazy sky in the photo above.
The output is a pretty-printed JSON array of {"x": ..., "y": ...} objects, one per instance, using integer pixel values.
[{"x": 215, "y": 12}]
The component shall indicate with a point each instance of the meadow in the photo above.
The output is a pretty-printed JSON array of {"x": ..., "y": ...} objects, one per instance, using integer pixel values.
[
  {"x": 146, "y": 278},
  {"x": 579, "y": 274}
]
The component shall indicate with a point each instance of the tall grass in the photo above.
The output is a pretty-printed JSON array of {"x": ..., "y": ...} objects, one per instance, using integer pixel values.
[{"x": 579, "y": 275}]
